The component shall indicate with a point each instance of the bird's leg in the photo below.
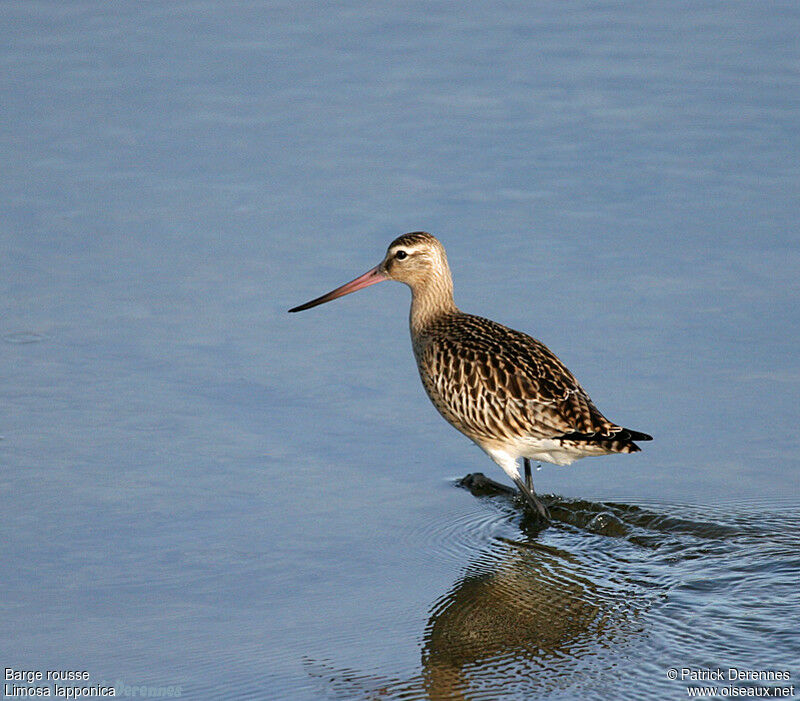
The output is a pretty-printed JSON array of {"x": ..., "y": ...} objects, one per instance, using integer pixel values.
[
  {"x": 532, "y": 499},
  {"x": 531, "y": 496}
]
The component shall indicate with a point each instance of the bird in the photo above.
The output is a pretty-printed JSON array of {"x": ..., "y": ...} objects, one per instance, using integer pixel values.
[{"x": 501, "y": 388}]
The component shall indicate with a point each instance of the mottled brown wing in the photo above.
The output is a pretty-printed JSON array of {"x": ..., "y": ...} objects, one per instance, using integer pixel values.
[{"x": 497, "y": 382}]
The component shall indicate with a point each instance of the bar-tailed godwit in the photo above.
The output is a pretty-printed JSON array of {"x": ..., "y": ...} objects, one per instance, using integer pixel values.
[{"x": 501, "y": 388}]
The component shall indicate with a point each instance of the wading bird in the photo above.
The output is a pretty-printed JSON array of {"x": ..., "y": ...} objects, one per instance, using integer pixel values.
[{"x": 501, "y": 388}]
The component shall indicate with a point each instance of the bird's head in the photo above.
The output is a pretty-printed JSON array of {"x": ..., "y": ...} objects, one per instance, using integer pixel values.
[{"x": 416, "y": 259}]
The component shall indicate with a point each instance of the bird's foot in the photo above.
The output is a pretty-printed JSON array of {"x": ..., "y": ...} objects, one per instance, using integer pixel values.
[{"x": 533, "y": 501}]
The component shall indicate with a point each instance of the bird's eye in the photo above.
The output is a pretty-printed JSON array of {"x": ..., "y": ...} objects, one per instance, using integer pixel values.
[{"x": 400, "y": 255}]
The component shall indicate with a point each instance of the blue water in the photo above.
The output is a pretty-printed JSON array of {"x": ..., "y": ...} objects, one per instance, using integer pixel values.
[{"x": 202, "y": 491}]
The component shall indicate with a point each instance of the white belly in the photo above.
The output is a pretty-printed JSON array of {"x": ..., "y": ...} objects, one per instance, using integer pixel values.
[{"x": 543, "y": 449}]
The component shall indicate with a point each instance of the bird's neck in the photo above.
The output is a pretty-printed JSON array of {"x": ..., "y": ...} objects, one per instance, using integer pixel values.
[{"x": 431, "y": 300}]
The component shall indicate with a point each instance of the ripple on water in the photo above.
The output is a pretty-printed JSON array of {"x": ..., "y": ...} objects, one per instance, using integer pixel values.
[
  {"x": 22, "y": 337},
  {"x": 459, "y": 538},
  {"x": 597, "y": 604}
]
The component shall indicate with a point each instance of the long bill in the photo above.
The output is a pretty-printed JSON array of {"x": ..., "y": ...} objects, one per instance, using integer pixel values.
[{"x": 369, "y": 278}]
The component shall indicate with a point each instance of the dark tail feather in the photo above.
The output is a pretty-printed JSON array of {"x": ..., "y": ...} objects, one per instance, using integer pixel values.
[
  {"x": 637, "y": 435},
  {"x": 625, "y": 434},
  {"x": 622, "y": 442}
]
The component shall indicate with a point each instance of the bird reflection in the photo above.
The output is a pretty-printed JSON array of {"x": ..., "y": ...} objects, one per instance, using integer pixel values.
[{"x": 524, "y": 619}]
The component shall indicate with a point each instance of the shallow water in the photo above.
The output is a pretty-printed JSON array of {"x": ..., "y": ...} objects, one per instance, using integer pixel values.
[
  {"x": 601, "y": 604},
  {"x": 202, "y": 491}
]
